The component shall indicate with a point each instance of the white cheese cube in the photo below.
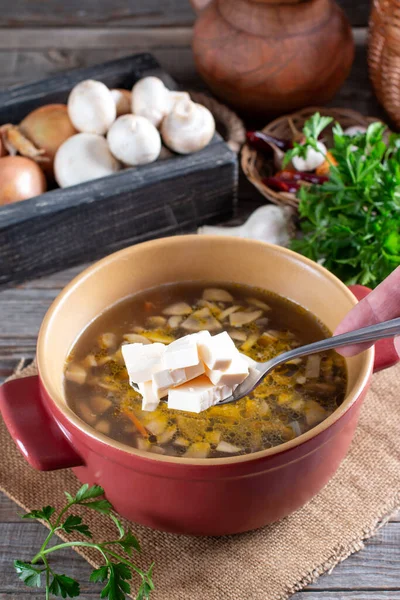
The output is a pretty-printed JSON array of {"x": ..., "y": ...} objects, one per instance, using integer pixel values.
[
  {"x": 237, "y": 372},
  {"x": 197, "y": 395},
  {"x": 195, "y": 371},
  {"x": 168, "y": 378},
  {"x": 217, "y": 351},
  {"x": 142, "y": 360},
  {"x": 150, "y": 399},
  {"x": 250, "y": 361},
  {"x": 182, "y": 353}
]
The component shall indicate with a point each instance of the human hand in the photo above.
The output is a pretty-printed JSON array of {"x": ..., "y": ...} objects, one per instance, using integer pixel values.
[{"x": 382, "y": 304}]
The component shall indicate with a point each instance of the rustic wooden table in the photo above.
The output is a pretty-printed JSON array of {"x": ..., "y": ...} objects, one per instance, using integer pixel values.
[{"x": 83, "y": 33}]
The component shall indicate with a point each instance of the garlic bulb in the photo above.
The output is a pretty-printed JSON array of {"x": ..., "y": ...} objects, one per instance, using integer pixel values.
[
  {"x": 313, "y": 159},
  {"x": 151, "y": 99},
  {"x": 83, "y": 157},
  {"x": 268, "y": 223},
  {"x": 91, "y": 107},
  {"x": 188, "y": 128},
  {"x": 134, "y": 140}
]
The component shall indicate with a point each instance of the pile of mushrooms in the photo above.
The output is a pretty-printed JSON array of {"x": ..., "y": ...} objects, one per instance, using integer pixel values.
[
  {"x": 97, "y": 133},
  {"x": 117, "y": 128}
]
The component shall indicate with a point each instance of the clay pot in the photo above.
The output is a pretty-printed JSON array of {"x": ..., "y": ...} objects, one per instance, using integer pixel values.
[
  {"x": 266, "y": 57},
  {"x": 213, "y": 496}
]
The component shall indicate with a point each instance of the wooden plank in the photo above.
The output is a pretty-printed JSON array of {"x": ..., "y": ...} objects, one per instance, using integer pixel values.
[
  {"x": 67, "y": 38},
  {"x": 344, "y": 595},
  {"x": 375, "y": 568},
  {"x": 92, "y": 13},
  {"x": 20, "y": 541},
  {"x": 25, "y": 66},
  {"x": 118, "y": 13}
]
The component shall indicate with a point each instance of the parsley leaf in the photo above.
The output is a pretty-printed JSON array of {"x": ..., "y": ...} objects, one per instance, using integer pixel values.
[
  {"x": 44, "y": 514},
  {"x": 101, "y": 506},
  {"x": 100, "y": 574},
  {"x": 74, "y": 523},
  {"x": 129, "y": 542},
  {"x": 29, "y": 575},
  {"x": 315, "y": 125},
  {"x": 117, "y": 569},
  {"x": 64, "y": 586},
  {"x": 86, "y": 493},
  {"x": 116, "y": 587},
  {"x": 312, "y": 129}
]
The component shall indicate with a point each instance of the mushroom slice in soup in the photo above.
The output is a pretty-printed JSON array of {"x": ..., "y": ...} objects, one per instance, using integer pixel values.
[
  {"x": 238, "y": 319},
  {"x": 179, "y": 309},
  {"x": 76, "y": 373},
  {"x": 217, "y": 295}
]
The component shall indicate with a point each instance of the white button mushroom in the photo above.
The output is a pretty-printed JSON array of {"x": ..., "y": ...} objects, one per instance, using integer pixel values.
[
  {"x": 123, "y": 101},
  {"x": 151, "y": 99},
  {"x": 188, "y": 127},
  {"x": 134, "y": 140},
  {"x": 83, "y": 157},
  {"x": 91, "y": 107}
]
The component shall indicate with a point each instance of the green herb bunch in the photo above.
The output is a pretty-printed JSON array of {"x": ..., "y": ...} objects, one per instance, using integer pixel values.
[
  {"x": 116, "y": 571},
  {"x": 351, "y": 223}
]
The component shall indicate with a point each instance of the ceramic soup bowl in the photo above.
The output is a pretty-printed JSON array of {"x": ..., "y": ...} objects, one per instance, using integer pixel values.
[{"x": 190, "y": 496}]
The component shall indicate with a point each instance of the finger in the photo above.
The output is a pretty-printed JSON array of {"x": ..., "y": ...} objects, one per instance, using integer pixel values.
[
  {"x": 397, "y": 344},
  {"x": 381, "y": 304}
]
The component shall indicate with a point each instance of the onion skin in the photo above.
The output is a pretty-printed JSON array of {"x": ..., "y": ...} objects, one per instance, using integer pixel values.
[
  {"x": 3, "y": 151},
  {"x": 20, "y": 178},
  {"x": 123, "y": 101},
  {"x": 48, "y": 127}
]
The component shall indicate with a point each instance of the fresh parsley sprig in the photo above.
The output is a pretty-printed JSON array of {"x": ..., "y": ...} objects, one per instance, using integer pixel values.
[
  {"x": 312, "y": 129},
  {"x": 351, "y": 223},
  {"x": 115, "y": 573}
]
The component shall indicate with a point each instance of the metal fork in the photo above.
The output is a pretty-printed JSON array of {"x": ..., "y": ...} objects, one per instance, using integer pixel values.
[{"x": 259, "y": 371}]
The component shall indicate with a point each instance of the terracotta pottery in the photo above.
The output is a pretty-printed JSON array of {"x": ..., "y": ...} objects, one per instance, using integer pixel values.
[
  {"x": 191, "y": 496},
  {"x": 268, "y": 57}
]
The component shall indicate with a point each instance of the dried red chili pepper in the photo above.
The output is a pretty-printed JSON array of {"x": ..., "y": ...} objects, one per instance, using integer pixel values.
[
  {"x": 301, "y": 176},
  {"x": 261, "y": 141},
  {"x": 280, "y": 185}
]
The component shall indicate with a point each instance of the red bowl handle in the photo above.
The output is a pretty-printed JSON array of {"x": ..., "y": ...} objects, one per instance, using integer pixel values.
[
  {"x": 33, "y": 429},
  {"x": 385, "y": 351}
]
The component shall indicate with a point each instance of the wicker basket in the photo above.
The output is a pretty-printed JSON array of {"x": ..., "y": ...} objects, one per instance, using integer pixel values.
[
  {"x": 255, "y": 165},
  {"x": 384, "y": 55}
]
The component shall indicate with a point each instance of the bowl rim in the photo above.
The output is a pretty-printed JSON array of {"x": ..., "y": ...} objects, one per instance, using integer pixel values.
[{"x": 90, "y": 432}]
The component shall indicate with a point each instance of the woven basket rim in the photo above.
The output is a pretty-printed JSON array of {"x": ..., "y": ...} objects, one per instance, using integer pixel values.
[{"x": 250, "y": 155}]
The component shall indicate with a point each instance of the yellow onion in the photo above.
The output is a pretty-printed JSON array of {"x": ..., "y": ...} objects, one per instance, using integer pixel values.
[
  {"x": 47, "y": 128},
  {"x": 3, "y": 151},
  {"x": 20, "y": 178},
  {"x": 123, "y": 101}
]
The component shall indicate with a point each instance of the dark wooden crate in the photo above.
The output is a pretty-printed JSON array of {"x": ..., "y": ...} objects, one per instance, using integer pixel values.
[{"x": 67, "y": 226}]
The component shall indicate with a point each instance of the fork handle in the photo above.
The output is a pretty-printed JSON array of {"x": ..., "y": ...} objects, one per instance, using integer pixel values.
[{"x": 372, "y": 333}]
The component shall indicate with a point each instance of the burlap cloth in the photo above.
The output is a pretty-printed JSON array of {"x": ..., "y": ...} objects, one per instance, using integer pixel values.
[{"x": 274, "y": 562}]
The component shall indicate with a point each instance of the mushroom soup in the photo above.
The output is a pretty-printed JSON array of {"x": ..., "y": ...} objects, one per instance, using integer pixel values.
[{"x": 292, "y": 399}]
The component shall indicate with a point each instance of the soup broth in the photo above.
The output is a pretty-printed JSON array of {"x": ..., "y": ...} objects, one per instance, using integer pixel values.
[{"x": 292, "y": 399}]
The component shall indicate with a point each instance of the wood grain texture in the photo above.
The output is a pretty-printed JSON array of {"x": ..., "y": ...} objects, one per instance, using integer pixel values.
[
  {"x": 373, "y": 570},
  {"x": 118, "y": 13}
]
